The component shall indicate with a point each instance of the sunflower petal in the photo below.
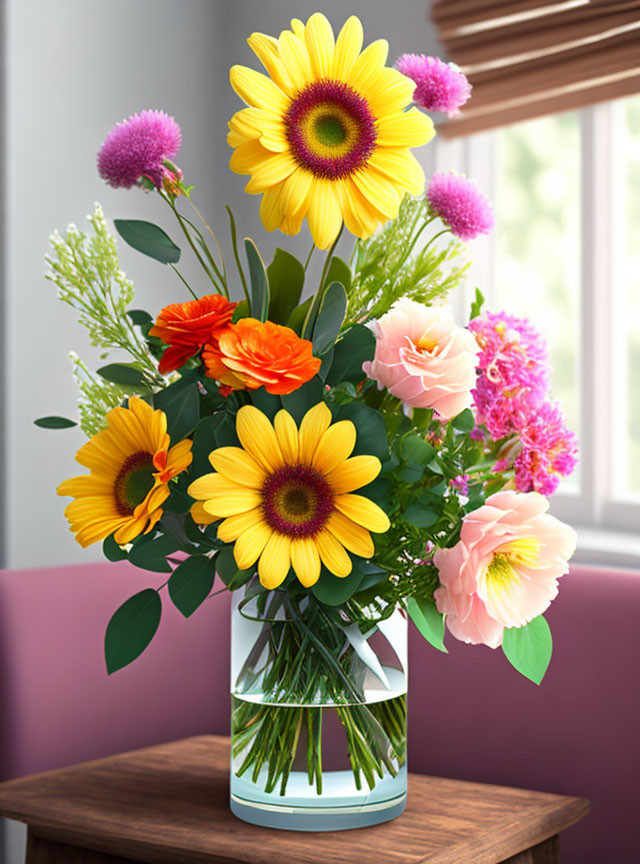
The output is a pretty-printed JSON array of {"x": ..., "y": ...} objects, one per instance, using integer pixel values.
[
  {"x": 258, "y": 437},
  {"x": 266, "y": 50},
  {"x": 305, "y": 560},
  {"x": 334, "y": 555},
  {"x": 313, "y": 426},
  {"x": 378, "y": 191},
  {"x": 287, "y": 435},
  {"x": 335, "y": 446},
  {"x": 257, "y": 90},
  {"x": 238, "y": 466},
  {"x": 353, "y": 537},
  {"x": 270, "y": 209},
  {"x": 233, "y": 502},
  {"x": 368, "y": 64},
  {"x": 363, "y": 512},
  {"x": 318, "y": 35},
  {"x": 409, "y": 128},
  {"x": 270, "y": 172},
  {"x": 211, "y": 484},
  {"x": 295, "y": 57},
  {"x": 200, "y": 515},
  {"x": 348, "y": 47},
  {"x": 275, "y": 561},
  {"x": 250, "y": 544},
  {"x": 399, "y": 166},
  {"x": 325, "y": 213},
  {"x": 389, "y": 91},
  {"x": 353, "y": 473},
  {"x": 233, "y": 526},
  {"x": 248, "y": 156}
]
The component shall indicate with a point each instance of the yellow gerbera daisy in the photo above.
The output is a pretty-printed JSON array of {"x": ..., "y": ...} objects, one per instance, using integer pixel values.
[
  {"x": 131, "y": 465},
  {"x": 285, "y": 495},
  {"x": 326, "y": 136}
]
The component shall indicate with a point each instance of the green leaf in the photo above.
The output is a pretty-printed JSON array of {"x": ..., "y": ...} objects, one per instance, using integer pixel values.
[
  {"x": 305, "y": 397},
  {"x": 123, "y": 373},
  {"x": 417, "y": 450},
  {"x": 149, "y": 239},
  {"x": 227, "y": 569},
  {"x": 331, "y": 314},
  {"x": 259, "y": 282},
  {"x": 339, "y": 271},
  {"x": 421, "y": 517},
  {"x": 410, "y": 474},
  {"x": 343, "y": 393},
  {"x": 54, "y": 422},
  {"x": 242, "y": 310},
  {"x": 334, "y": 591},
  {"x": 150, "y": 554},
  {"x": 268, "y": 403},
  {"x": 179, "y": 501},
  {"x": 111, "y": 550},
  {"x": 181, "y": 403},
  {"x": 204, "y": 441},
  {"x": 297, "y": 318},
  {"x": 476, "y": 306},
  {"x": 529, "y": 648},
  {"x": 370, "y": 428},
  {"x": 131, "y": 628},
  {"x": 191, "y": 582},
  {"x": 428, "y": 620},
  {"x": 465, "y": 421},
  {"x": 286, "y": 279},
  {"x": 139, "y": 317},
  {"x": 355, "y": 347}
]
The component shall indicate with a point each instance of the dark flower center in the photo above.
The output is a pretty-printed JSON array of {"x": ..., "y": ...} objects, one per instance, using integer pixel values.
[
  {"x": 297, "y": 501},
  {"x": 331, "y": 129},
  {"x": 134, "y": 481}
]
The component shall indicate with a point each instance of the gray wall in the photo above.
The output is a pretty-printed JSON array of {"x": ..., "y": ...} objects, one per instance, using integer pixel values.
[{"x": 74, "y": 68}]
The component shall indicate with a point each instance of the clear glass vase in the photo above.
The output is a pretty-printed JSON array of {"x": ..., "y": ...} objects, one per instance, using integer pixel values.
[{"x": 318, "y": 716}]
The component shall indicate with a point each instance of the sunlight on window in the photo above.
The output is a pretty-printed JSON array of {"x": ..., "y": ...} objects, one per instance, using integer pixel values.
[
  {"x": 537, "y": 204},
  {"x": 630, "y": 274}
]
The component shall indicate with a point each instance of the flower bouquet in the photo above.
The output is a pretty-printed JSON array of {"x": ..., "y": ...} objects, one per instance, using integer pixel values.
[{"x": 333, "y": 449}]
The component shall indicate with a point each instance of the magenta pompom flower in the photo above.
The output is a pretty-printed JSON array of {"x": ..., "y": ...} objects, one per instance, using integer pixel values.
[
  {"x": 461, "y": 204},
  {"x": 137, "y": 148},
  {"x": 440, "y": 86}
]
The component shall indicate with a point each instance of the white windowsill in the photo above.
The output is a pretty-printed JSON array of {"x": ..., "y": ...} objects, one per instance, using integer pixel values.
[{"x": 607, "y": 548}]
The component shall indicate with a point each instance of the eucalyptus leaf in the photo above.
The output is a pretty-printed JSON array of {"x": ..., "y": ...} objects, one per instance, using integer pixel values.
[
  {"x": 150, "y": 554},
  {"x": 181, "y": 403},
  {"x": 112, "y": 551},
  {"x": 54, "y": 422},
  {"x": 191, "y": 582},
  {"x": 228, "y": 571},
  {"x": 131, "y": 629},
  {"x": 416, "y": 450},
  {"x": 304, "y": 398},
  {"x": 286, "y": 279},
  {"x": 139, "y": 317},
  {"x": 333, "y": 590},
  {"x": 124, "y": 374},
  {"x": 428, "y": 620},
  {"x": 355, "y": 347},
  {"x": 421, "y": 517},
  {"x": 259, "y": 282},
  {"x": 149, "y": 239},
  {"x": 331, "y": 313},
  {"x": 529, "y": 648},
  {"x": 370, "y": 428}
]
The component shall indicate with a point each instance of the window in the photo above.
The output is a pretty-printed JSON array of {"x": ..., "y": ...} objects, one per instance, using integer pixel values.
[{"x": 566, "y": 253}]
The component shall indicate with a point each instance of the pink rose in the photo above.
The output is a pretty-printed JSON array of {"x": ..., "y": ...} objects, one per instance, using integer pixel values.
[
  {"x": 504, "y": 570},
  {"x": 423, "y": 358}
]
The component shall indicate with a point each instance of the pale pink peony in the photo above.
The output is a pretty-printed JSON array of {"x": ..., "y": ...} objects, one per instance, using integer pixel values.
[
  {"x": 504, "y": 570},
  {"x": 423, "y": 358}
]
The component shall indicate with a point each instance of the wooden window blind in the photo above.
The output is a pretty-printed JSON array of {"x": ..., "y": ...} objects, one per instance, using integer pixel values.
[{"x": 527, "y": 58}]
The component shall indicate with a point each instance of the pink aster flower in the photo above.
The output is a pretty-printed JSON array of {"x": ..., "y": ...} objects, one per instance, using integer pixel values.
[
  {"x": 461, "y": 204},
  {"x": 504, "y": 570},
  {"x": 440, "y": 86},
  {"x": 549, "y": 450},
  {"x": 423, "y": 358},
  {"x": 513, "y": 371},
  {"x": 137, "y": 148}
]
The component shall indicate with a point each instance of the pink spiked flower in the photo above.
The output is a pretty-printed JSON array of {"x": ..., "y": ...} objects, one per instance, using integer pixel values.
[
  {"x": 440, "y": 86},
  {"x": 549, "y": 451},
  {"x": 137, "y": 147},
  {"x": 461, "y": 204}
]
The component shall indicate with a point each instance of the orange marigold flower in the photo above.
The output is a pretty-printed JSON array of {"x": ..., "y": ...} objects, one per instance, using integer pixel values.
[
  {"x": 252, "y": 354},
  {"x": 186, "y": 327}
]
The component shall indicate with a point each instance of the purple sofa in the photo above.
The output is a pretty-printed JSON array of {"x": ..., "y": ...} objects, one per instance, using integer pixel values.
[{"x": 471, "y": 716}]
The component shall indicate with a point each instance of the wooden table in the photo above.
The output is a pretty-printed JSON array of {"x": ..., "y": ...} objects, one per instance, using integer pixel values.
[{"x": 169, "y": 805}]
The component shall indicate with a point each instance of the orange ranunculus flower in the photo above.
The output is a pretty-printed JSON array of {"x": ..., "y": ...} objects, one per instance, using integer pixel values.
[
  {"x": 186, "y": 327},
  {"x": 252, "y": 354}
]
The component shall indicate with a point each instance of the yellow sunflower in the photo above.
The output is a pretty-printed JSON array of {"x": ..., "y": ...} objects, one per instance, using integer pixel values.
[
  {"x": 286, "y": 495},
  {"x": 130, "y": 464},
  {"x": 326, "y": 136}
]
